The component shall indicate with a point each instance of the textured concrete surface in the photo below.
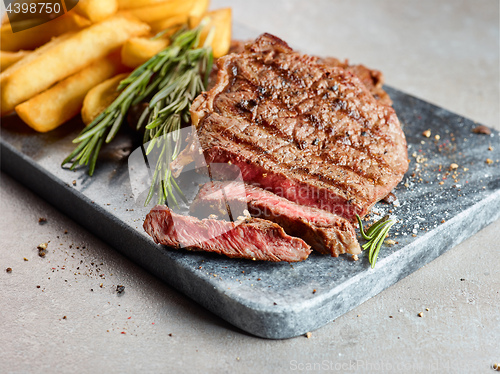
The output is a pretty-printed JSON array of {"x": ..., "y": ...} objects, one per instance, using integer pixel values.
[{"x": 446, "y": 54}]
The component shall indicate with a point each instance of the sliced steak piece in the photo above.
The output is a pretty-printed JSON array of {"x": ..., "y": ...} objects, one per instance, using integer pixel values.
[
  {"x": 323, "y": 231},
  {"x": 254, "y": 239},
  {"x": 308, "y": 132}
]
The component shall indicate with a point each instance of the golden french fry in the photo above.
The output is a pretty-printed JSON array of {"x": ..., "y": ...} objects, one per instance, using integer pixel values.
[
  {"x": 197, "y": 12},
  {"x": 60, "y": 103},
  {"x": 96, "y": 10},
  {"x": 199, "y": 8},
  {"x": 220, "y": 24},
  {"x": 66, "y": 58},
  {"x": 137, "y": 51},
  {"x": 157, "y": 12},
  {"x": 10, "y": 58},
  {"x": 169, "y": 23},
  {"x": 33, "y": 56},
  {"x": 36, "y": 36},
  {"x": 129, "y": 4},
  {"x": 100, "y": 97}
]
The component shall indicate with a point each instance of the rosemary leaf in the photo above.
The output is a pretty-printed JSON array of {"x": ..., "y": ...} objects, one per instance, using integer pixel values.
[
  {"x": 170, "y": 82},
  {"x": 94, "y": 156},
  {"x": 361, "y": 228},
  {"x": 375, "y": 237},
  {"x": 376, "y": 226},
  {"x": 378, "y": 244}
]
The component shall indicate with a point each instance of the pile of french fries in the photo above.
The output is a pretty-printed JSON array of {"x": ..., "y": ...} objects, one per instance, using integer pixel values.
[{"x": 74, "y": 63}]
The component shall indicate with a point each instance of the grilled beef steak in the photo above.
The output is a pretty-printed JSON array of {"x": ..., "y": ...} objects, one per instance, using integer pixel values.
[
  {"x": 254, "y": 239},
  {"x": 311, "y": 133},
  {"x": 323, "y": 231}
]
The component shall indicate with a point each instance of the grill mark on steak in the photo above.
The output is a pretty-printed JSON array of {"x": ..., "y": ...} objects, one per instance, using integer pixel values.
[
  {"x": 383, "y": 141},
  {"x": 221, "y": 154},
  {"x": 337, "y": 181},
  {"x": 254, "y": 239},
  {"x": 372, "y": 79},
  {"x": 343, "y": 155},
  {"x": 323, "y": 196},
  {"x": 325, "y": 232},
  {"x": 360, "y": 154},
  {"x": 356, "y": 147}
]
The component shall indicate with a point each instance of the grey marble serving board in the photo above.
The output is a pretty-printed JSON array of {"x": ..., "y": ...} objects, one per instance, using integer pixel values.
[{"x": 267, "y": 299}]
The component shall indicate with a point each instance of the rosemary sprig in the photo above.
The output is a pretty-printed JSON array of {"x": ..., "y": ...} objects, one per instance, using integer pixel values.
[
  {"x": 138, "y": 87},
  {"x": 375, "y": 236},
  {"x": 168, "y": 110},
  {"x": 170, "y": 81}
]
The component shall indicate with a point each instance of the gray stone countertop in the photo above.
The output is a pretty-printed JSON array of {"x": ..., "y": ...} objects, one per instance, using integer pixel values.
[{"x": 62, "y": 314}]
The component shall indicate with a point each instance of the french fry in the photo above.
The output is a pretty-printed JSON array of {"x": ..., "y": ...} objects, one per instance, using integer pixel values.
[
  {"x": 33, "y": 56},
  {"x": 66, "y": 58},
  {"x": 157, "y": 12},
  {"x": 129, "y": 4},
  {"x": 63, "y": 101},
  {"x": 169, "y": 23},
  {"x": 10, "y": 58},
  {"x": 100, "y": 97},
  {"x": 199, "y": 8},
  {"x": 96, "y": 10},
  {"x": 220, "y": 22},
  {"x": 197, "y": 12},
  {"x": 36, "y": 36},
  {"x": 136, "y": 51}
]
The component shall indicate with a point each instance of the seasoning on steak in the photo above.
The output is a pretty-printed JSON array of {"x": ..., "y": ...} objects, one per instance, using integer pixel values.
[
  {"x": 372, "y": 79},
  {"x": 308, "y": 132},
  {"x": 254, "y": 238},
  {"x": 323, "y": 231}
]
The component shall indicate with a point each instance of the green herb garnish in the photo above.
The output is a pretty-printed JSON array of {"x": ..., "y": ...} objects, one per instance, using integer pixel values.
[
  {"x": 169, "y": 81},
  {"x": 375, "y": 237},
  {"x": 168, "y": 110}
]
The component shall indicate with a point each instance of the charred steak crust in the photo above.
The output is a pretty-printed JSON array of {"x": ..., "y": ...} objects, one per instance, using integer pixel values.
[
  {"x": 371, "y": 78},
  {"x": 306, "y": 131},
  {"x": 254, "y": 239},
  {"x": 323, "y": 231}
]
